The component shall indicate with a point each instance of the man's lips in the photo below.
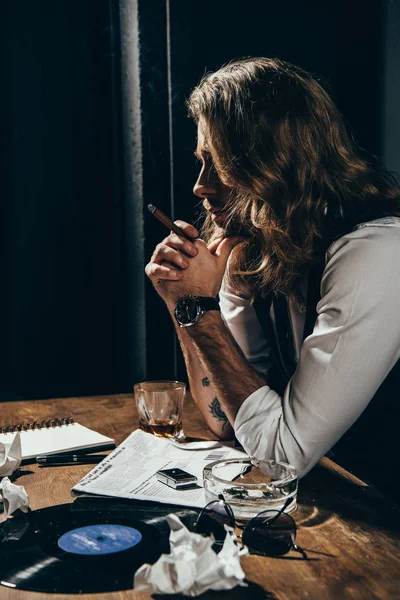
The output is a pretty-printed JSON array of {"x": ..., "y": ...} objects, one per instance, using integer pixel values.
[{"x": 212, "y": 208}]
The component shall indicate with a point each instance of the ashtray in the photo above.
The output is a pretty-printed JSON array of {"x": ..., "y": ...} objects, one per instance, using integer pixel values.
[{"x": 250, "y": 485}]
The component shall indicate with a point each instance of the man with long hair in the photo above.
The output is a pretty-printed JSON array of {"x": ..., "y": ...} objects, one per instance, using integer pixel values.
[{"x": 295, "y": 324}]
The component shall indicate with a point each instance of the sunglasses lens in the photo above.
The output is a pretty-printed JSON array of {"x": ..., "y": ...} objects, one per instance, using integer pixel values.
[
  {"x": 212, "y": 519},
  {"x": 270, "y": 536}
]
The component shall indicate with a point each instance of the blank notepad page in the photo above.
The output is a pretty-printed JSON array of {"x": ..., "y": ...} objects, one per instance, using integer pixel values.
[{"x": 61, "y": 438}]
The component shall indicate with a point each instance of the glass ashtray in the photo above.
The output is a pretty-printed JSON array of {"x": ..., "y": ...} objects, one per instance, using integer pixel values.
[{"x": 250, "y": 485}]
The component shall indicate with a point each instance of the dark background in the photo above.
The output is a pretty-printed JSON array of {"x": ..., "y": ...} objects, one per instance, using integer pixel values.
[{"x": 95, "y": 128}]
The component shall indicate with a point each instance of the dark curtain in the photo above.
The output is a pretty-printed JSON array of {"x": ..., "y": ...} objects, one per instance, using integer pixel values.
[{"x": 64, "y": 277}]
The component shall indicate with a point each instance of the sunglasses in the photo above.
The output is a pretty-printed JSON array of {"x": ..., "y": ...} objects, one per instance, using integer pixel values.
[{"x": 270, "y": 532}]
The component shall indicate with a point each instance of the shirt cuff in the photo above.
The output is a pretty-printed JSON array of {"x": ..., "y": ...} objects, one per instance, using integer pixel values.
[{"x": 255, "y": 417}]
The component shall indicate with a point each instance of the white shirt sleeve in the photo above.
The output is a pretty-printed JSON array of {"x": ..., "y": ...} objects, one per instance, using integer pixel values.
[
  {"x": 241, "y": 319},
  {"x": 354, "y": 345}
]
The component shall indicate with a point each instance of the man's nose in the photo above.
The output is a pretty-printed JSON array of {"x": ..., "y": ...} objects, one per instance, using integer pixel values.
[{"x": 204, "y": 186}]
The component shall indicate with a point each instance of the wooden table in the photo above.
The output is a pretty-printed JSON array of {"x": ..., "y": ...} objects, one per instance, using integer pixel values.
[{"x": 337, "y": 515}]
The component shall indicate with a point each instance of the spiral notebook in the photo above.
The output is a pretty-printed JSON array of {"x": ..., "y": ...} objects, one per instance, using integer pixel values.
[{"x": 55, "y": 436}]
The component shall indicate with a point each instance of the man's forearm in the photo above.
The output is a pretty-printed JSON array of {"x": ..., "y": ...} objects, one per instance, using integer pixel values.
[
  {"x": 201, "y": 387},
  {"x": 232, "y": 378}
]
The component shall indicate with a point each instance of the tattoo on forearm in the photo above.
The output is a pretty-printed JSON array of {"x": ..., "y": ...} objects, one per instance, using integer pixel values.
[
  {"x": 205, "y": 382},
  {"x": 217, "y": 412}
]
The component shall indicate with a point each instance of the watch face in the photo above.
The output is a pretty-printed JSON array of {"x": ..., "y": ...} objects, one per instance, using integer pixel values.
[{"x": 187, "y": 310}]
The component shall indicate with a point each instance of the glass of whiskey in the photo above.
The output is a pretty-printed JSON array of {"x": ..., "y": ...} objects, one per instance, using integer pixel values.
[{"x": 159, "y": 407}]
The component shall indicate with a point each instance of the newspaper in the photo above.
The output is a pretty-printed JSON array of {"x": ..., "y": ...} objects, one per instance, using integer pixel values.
[{"x": 129, "y": 471}]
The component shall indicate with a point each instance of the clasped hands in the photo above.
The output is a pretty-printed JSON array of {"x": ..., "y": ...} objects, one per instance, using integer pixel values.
[{"x": 180, "y": 268}]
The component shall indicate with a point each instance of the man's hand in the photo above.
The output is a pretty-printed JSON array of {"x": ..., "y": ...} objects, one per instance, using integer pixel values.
[{"x": 180, "y": 268}]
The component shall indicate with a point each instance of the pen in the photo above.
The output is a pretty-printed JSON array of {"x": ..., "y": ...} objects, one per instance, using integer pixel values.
[
  {"x": 167, "y": 222},
  {"x": 69, "y": 459}
]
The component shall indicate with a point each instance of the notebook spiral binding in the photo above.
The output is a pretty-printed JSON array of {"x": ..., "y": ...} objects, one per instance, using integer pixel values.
[{"x": 45, "y": 424}]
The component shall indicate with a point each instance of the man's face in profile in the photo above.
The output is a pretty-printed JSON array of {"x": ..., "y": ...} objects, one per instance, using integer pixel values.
[{"x": 214, "y": 193}]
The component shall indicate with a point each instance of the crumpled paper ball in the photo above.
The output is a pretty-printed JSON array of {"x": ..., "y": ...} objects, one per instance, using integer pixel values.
[
  {"x": 14, "y": 496},
  {"x": 10, "y": 456},
  {"x": 192, "y": 567}
]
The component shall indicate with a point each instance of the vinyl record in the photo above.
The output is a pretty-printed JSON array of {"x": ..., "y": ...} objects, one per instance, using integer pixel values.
[{"x": 77, "y": 548}]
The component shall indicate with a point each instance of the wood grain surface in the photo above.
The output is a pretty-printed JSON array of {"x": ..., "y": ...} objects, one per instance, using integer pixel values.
[{"x": 350, "y": 530}]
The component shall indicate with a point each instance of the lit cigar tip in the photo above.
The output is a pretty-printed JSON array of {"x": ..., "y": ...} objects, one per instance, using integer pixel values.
[{"x": 151, "y": 208}]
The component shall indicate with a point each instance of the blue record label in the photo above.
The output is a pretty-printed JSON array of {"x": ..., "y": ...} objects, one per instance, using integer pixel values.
[{"x": 95, "y": 540}]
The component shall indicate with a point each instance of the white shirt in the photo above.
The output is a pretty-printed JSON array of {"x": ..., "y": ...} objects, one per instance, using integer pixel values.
[{"x": 354, "y": 345}]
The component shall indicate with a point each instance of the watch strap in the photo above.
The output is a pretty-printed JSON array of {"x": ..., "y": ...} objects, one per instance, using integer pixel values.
[{"x": 209, "y": 303}]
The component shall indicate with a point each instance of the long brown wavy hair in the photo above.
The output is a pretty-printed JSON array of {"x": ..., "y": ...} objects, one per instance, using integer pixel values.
[{"x": 298, "y": 180}]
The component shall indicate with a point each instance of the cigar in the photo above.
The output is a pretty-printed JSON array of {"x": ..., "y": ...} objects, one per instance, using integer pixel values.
[{"x": 167, "y": 222}]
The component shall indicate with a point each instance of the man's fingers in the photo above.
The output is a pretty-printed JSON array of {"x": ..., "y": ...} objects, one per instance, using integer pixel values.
[
  {"x": 212, "y": 246},
  {"x": 187, "y": 228},
  {"x": 225, "y": 247},
  {"x": 166, "y": 253},
  {"x": 164, "y": 271},
  {"x": 177, "y": 244},
  {"x": 186, "y": 246}
]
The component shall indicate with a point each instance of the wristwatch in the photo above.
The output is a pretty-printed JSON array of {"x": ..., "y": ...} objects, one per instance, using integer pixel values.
[{"x": 189, "y": 309}]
